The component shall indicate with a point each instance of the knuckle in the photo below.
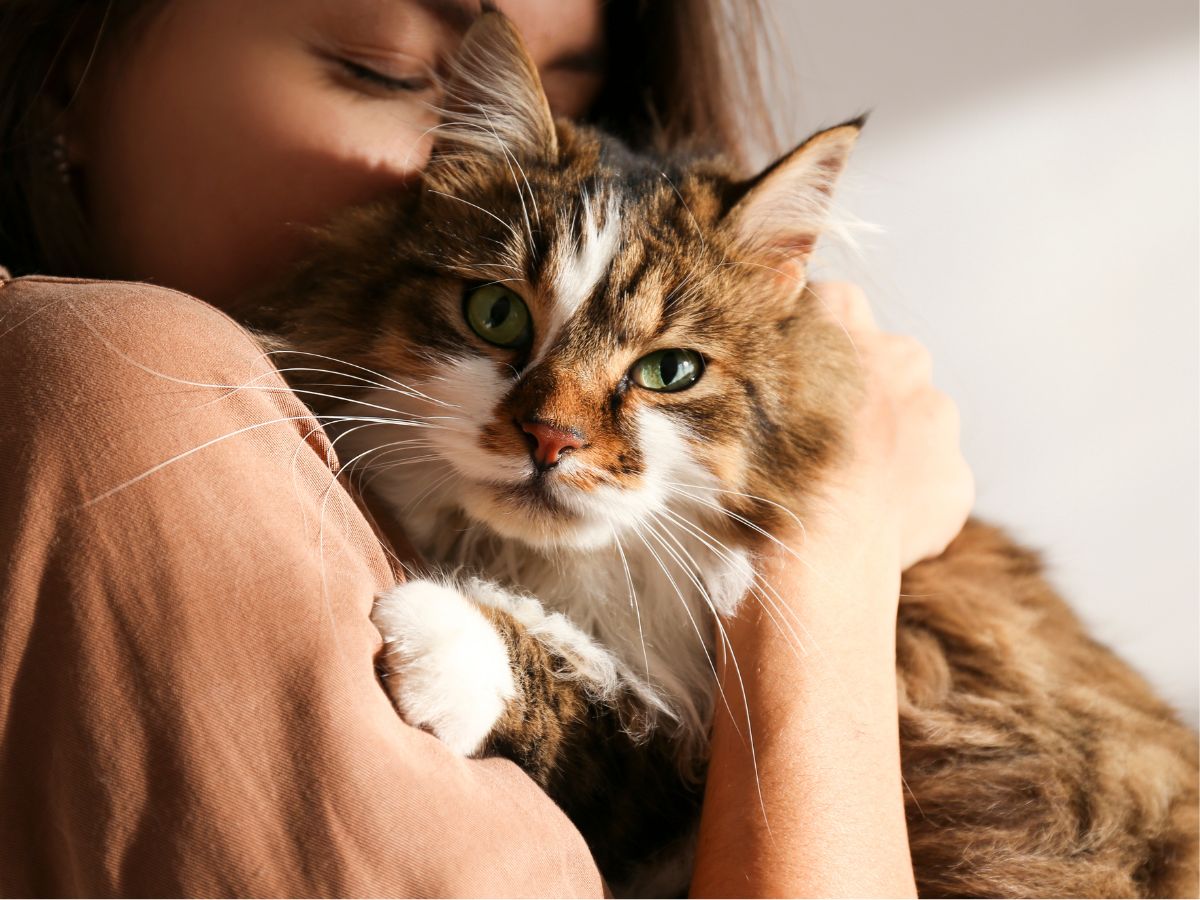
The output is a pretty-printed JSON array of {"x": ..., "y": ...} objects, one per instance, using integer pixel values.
[
  {"x": 840, "y": 292},
  {"x": 915, "y": 352},
  {"x": 856, "y": 302},
  {"x": 923, "y": 357},
  {"x": 847, "y": 302},
  {"x": 946, "y": 407}
]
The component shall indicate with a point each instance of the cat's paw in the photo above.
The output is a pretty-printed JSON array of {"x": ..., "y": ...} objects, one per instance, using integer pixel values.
[{"x": 445, "y": 666}]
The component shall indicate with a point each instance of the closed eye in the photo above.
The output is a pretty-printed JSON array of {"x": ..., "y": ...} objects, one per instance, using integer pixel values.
[{"x": 380, "y": 81}]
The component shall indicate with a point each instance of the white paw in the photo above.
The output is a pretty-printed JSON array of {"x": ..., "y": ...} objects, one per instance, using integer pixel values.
[{"x": 445, "y": 667}]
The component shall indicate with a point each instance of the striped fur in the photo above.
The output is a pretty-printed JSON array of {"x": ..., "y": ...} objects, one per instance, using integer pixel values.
[{"x": 1038, "y": 763}]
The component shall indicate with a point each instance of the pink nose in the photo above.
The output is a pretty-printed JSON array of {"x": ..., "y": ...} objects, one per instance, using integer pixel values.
[{"x": 548, "y": 443}]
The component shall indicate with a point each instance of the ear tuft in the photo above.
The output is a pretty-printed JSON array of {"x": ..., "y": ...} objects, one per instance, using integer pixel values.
[
  {"x": 494, "y": 102},
  {"x": 778, "y": 219}
]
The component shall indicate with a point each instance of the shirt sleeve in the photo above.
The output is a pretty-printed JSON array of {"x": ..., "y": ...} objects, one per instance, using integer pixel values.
[{"x": 188, "y": 702}]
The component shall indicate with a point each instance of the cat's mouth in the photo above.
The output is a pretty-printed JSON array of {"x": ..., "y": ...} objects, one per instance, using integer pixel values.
[
  {"x": 535, "y": 512},
  {"x": 538, "y": 494}
]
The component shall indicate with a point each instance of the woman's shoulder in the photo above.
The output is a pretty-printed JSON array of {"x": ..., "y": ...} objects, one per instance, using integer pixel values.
[
  {"x": 62, "y": 306},
  {"x": 24, "y": 287},
  {"x": 107, "y": 356}
]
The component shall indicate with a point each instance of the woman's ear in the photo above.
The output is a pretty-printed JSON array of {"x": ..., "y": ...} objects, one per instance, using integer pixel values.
[
  {"x": 783, "y": 209},
  {"x": 494, "y": 104}
]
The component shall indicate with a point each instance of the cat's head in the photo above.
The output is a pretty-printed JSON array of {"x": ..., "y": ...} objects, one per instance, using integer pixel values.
[{"x": 587, "y": 341}]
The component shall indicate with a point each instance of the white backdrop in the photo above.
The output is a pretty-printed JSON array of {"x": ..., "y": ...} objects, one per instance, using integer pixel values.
[{"x": 1033, "y": 166}]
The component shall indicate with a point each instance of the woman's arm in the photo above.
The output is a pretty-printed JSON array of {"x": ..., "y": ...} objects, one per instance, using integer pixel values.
[
  {"x": 817, "y": 808},
  {"x": 830, "y": 820}
]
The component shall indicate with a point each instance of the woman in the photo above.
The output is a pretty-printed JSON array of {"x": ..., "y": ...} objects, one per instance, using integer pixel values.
[{"x": 186, "y": 684}]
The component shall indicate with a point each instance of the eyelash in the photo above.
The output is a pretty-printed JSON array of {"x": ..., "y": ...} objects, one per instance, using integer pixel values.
[{"x": 380, "y": 81}]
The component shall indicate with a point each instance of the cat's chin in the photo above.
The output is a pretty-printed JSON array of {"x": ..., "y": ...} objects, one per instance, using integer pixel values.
[{"x": 541, "y": 525}]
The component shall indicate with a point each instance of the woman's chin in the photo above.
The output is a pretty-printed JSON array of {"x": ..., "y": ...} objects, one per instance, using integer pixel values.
[{"x": 533, "y": 518}]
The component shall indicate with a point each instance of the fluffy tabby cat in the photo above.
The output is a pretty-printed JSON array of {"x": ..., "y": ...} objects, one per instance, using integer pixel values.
[{"x": 590, "y": 382}]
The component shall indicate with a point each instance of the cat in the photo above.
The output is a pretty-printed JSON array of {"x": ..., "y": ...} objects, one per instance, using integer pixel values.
[{"x": 592, "y": 382}]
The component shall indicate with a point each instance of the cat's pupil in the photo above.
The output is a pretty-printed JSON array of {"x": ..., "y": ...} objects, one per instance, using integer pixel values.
[
  {"x": 499, "y": 312},
  {"x": 668, "y": 368}
]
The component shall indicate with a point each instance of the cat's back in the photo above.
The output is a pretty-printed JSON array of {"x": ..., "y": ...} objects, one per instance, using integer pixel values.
[{"x": 1038, "y": 763}]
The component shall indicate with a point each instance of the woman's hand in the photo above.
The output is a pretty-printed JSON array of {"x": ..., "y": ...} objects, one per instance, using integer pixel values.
[
  {"x": 905, "y": 470},
  {"x": 815, "y": 806}
]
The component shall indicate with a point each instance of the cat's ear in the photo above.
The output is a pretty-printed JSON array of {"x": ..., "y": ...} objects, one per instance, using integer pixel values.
[
  {"x": 493, "y": 102},
  {"x": 780, "y": 215}
]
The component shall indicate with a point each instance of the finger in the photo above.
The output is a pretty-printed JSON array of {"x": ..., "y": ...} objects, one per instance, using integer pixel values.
[
  {"x": 913, "y": 356},
  {"x": 846, "y": 303},
  {"x": 898, "y": 361}
]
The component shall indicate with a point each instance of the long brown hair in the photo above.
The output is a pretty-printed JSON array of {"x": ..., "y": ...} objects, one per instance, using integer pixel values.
[{"x": 679, "y": 72}]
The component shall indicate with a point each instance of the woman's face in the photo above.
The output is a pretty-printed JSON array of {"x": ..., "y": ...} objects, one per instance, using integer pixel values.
[{"x": 206, "y": 145}]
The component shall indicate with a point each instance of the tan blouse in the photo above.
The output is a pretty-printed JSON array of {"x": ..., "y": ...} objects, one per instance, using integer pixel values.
[{"x": 188, "y": 701}]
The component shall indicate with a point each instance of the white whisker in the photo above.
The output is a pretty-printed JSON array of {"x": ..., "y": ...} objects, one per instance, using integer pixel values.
[
  {"x": 633, "y": 602},
  {"x": 705, "y": 487},
  {"x": 691, "y": 618},
  {"x": 509, "y": 159},
  {"x": 507, "y": 225},
  {"x": 757, "y": 586},
  {"x": 696, "y": 582},
  {"x": 180, "y": 456}
]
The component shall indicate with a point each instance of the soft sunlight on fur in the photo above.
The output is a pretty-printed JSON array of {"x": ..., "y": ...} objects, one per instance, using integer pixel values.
[
  {"x": 597, "y": 385},
  {"x": 430, "y": 631}
]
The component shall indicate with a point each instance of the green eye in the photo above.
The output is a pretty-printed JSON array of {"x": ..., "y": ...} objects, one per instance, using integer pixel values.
[
  {"x": 498, "y": 316},
  {"x": 668, "y": 370}
]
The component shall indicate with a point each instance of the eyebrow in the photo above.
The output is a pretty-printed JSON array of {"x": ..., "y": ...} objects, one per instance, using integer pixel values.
[{"x": 455, "y": 14}]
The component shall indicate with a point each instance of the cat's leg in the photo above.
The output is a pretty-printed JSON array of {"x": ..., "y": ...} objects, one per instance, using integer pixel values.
[
  {"x": 494, "y": 673},
  {"x": 477, "y": 665},
  {"x": 444, "y": 664}
]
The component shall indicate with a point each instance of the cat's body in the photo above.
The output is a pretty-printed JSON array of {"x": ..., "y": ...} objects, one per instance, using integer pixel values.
[
  {"x": 1037, "y": 763},
  {"x": 596, "y": 379}
]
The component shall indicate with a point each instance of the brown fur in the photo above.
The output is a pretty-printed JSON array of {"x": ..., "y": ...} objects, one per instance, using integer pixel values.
[
  {"x": 577, "y": 749},
  {"x": 1037, "y": 763}
]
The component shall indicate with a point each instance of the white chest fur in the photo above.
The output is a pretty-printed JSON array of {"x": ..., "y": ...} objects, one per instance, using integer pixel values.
[
  {"x": 651, "y": 600},
  {"x": 650, "y": 596}
]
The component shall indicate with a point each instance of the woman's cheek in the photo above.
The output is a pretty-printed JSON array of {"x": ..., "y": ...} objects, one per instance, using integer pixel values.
[
  {"x": 213, "y": 198},
  {"x": 300, "y": 156}
]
